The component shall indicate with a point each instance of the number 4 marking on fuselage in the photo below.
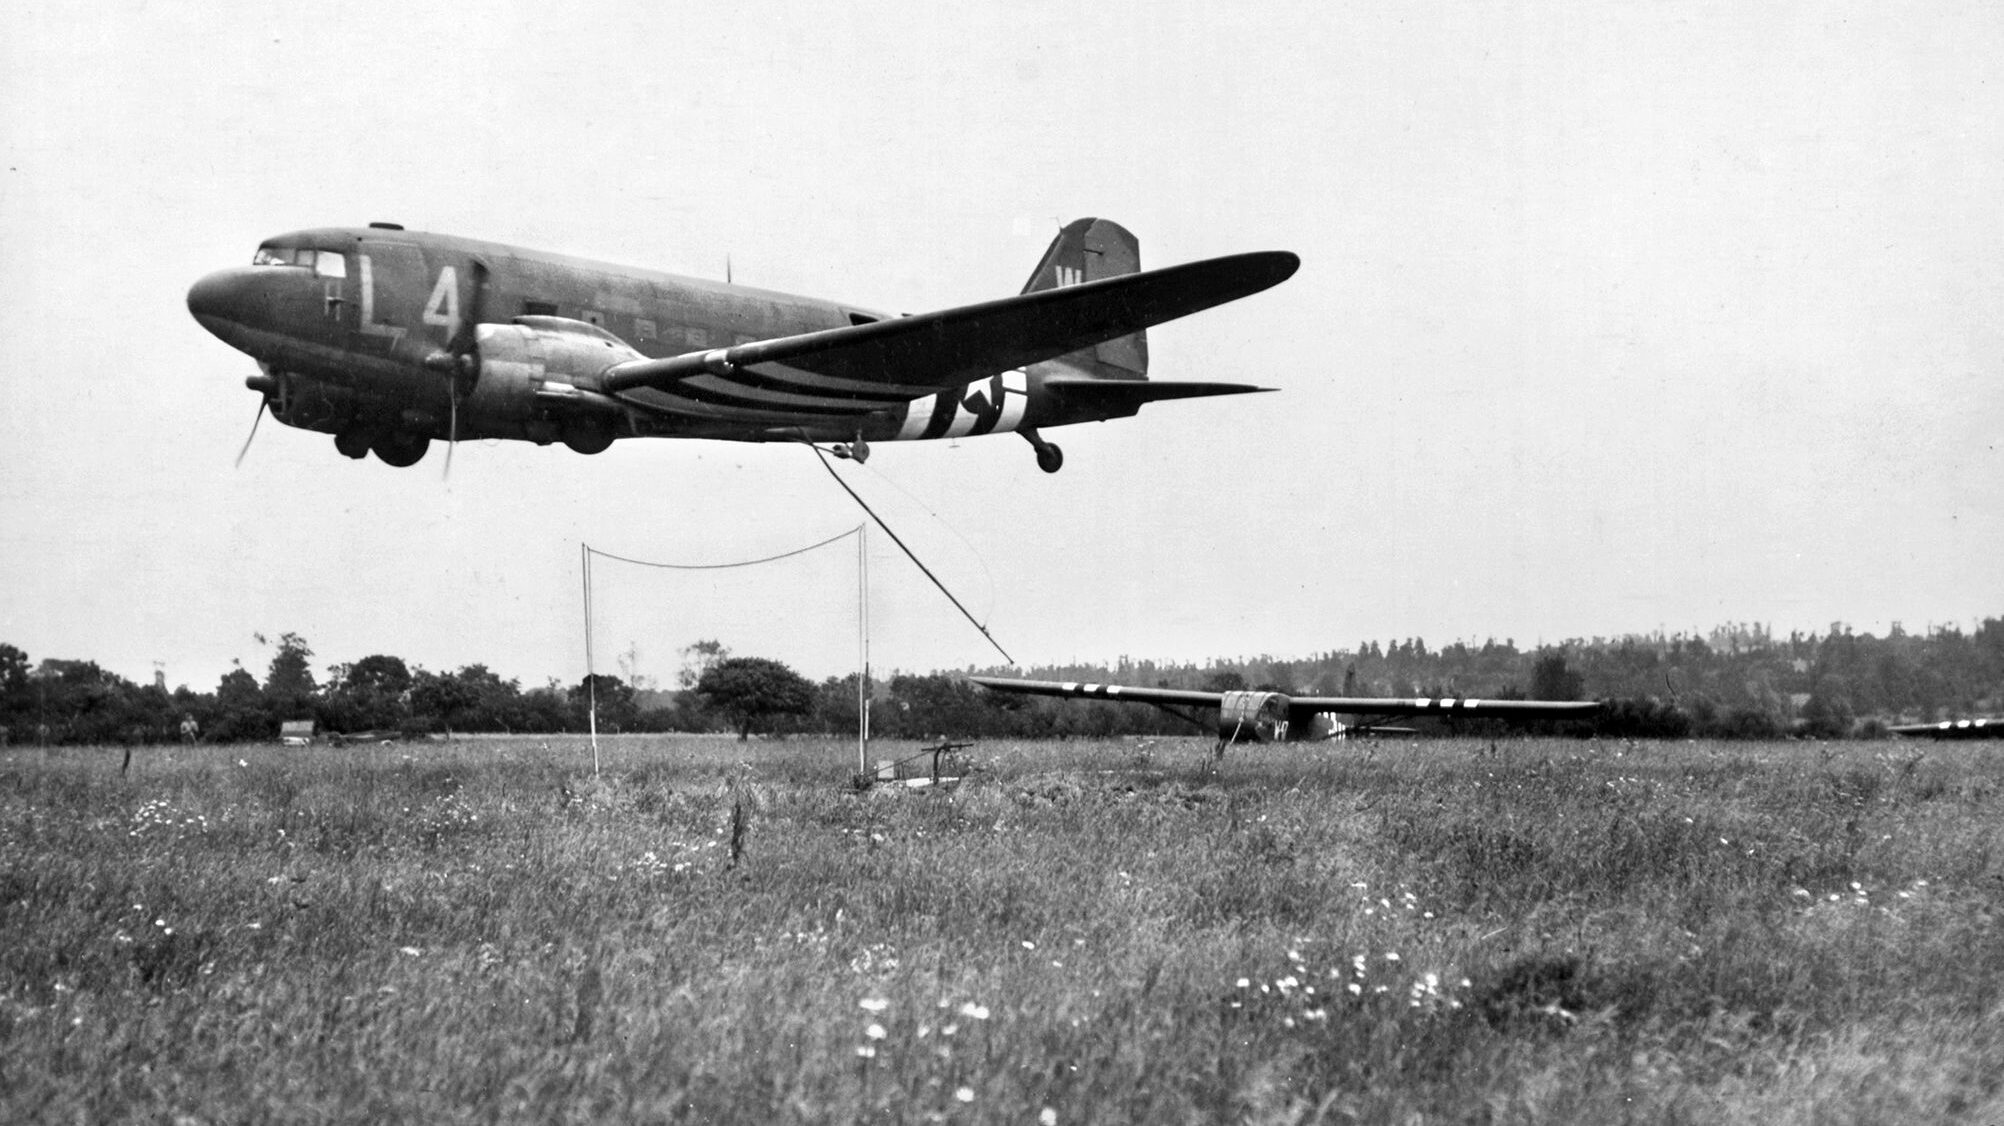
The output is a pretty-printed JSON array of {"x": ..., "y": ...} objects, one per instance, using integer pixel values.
[{"x": 443, "y": 308}]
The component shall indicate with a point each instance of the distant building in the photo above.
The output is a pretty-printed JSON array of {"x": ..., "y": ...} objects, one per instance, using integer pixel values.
[{"x": 295, "y": 732}]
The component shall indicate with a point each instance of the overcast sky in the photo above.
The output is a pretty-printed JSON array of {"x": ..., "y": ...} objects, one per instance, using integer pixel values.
[{"x": 1611, "y": 318}]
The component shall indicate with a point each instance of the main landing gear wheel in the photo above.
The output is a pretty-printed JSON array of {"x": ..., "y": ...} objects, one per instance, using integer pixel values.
[
  {"x": 588, "y": 435},
  {"x": 1050, "y": 458},
  {"x": 401, "y": 450},
  {"x": 352, "y": 443}
]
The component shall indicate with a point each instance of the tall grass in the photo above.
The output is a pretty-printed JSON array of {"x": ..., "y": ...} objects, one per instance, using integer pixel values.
[{"x": 1532, "y": 931}]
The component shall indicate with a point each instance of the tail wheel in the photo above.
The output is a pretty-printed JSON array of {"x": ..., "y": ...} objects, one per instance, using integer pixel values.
[
  {"x": 1050, "y": 458},
  {"x": 401, "y": 449}
]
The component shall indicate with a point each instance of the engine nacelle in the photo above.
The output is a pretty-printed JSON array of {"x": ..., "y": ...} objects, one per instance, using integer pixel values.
[
  {"x": 305, "y": 403},
  {"x": 543, "y": 363}
]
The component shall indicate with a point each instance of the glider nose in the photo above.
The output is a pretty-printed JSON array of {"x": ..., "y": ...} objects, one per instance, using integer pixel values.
[{"x": 226, "y": 299}]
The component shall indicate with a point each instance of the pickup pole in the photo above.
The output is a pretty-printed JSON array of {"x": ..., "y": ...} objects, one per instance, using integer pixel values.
[
  {"x": 863, "y": 650},
  {"x": 591, "y": 677}
]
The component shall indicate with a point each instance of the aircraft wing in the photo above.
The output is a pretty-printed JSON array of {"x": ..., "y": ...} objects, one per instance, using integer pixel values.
[
  {"x": 1345, "y": 705},
  {"x": 1180, "y": 697},
  {"x": 1953, "y": 729},
  {"x": 862, "y": 368}
]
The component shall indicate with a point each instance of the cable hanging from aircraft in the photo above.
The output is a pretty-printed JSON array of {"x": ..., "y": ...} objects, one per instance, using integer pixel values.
[
  {"x": 927, "y": 571},
  {"x": 987, "y": 572}
]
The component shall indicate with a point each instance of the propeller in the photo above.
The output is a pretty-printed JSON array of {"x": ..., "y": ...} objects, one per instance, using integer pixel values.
[
  {"x": 262, "y": 403},
  {"x": 452, "y": 432},
  {"x": 460, "y": 360}
]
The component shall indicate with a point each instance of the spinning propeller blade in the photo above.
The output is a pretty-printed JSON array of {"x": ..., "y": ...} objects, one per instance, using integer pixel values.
[
  {"x": 261, "y": 405},
  {"x": 452, "y": 433},
  {"x": 461, "y": 359}
]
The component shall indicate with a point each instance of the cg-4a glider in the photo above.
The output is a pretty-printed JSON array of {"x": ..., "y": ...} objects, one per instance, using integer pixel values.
[
  {"x": 1268, "y": 717},
  {"x": 390, "y": 339}
]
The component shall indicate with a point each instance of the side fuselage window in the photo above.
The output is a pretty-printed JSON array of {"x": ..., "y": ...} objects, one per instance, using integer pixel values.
[{"x": 330, "y": 264}]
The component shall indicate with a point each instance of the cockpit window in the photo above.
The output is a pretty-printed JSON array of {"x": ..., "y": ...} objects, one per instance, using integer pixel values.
[{"x": 326, "y": 263}]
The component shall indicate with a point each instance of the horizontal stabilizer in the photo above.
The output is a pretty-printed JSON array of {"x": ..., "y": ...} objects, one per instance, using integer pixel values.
[
  {"x": 953, "y": 347},
  {"x": 1132, "y": 393}
]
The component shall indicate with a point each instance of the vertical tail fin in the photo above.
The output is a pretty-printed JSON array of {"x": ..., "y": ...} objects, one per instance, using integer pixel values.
[{"x": 1088, "y": 250}]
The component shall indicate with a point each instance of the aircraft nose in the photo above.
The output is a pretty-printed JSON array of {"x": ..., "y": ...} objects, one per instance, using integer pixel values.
[{"x": 225, "y": 299}]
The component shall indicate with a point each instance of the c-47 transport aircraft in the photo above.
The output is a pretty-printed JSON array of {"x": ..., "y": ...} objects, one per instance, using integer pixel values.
[
  {"x": 1266, "y": 717},
  {"x": 389, "y": 339}
]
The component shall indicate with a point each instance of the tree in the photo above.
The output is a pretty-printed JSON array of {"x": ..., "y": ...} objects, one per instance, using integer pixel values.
[
  {"x": 698, "y": 660},
  {"x": 548, "y": 709},
  {"x": 288, "y": 684},
  {"x": 494, "y": 700},
  {"x": 748, "y": 690},
  {"x": 1827, "y": 713},
  {"x": 940, "y": 704},
  {"x": 1225, "y": 680},
  {"x": 442, "y": 699},
  {"x": 379, "y": 673},
  {"x": 834, "y": 710},
  {"x": 240, "y": 711},
  {"x": 616, "y": 709},
  {"x": 373, "y": 692},
  {"x": 82, "y": 702},
  {"x": 17, "y": 690},
  {"x": 1551, "y": 679}
]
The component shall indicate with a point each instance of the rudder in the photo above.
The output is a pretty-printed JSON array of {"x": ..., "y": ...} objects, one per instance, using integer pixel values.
[{"x": 1088, "y": 250}]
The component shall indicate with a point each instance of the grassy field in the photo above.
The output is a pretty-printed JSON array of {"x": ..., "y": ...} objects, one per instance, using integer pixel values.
[{"x": 1453, "y": 931}]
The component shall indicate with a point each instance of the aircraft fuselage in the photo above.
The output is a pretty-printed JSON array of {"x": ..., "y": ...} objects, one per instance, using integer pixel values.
[{"x": 390, "y": 338}]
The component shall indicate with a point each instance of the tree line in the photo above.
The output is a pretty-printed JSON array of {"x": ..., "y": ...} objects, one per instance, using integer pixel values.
[{"x": 1736, "y": 681}]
